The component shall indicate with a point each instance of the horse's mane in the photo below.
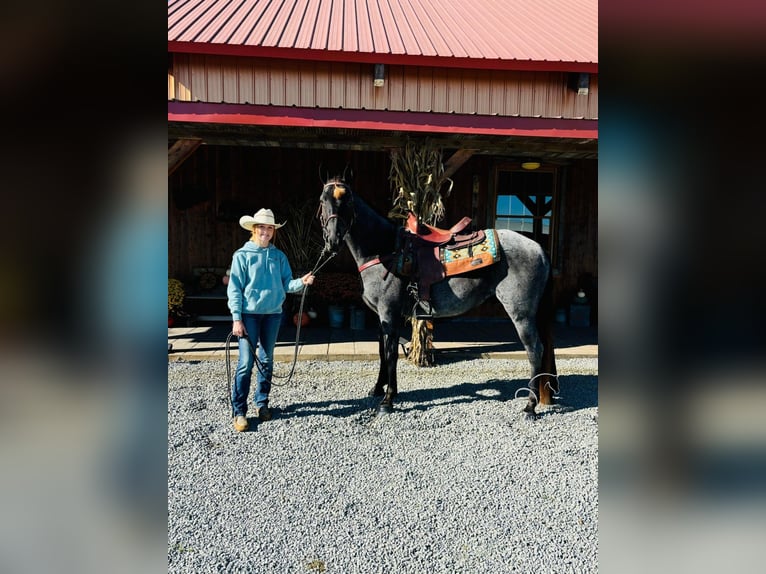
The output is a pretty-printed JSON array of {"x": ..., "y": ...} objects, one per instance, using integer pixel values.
[
  {"x": 363, "y": 209},
  {"x": 375, "y": 223}
]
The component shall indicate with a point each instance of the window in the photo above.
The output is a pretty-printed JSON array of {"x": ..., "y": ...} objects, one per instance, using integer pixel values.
[{"x": 525, "y": 203}]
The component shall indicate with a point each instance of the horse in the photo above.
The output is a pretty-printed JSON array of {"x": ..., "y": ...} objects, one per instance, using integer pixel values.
[{"x": 521, "y": 281}]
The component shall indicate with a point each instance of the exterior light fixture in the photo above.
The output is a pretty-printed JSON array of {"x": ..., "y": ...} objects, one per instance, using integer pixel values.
[
  {"x": 530, "y": 165},
  {"x": 380, "y": 70}
]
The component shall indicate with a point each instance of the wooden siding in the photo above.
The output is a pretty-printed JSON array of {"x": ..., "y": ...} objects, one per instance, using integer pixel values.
[
  {"x": 578, "y": 226},
  {"x": 223, "y": 79},
  {"x": 218, "y": 184}
]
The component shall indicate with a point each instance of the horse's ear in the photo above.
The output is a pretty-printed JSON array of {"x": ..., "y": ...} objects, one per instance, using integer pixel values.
[
  {"x": 338, "y": 192},
  {"x": 350, "y": 172},
  {"x": 324, "y": 181}
]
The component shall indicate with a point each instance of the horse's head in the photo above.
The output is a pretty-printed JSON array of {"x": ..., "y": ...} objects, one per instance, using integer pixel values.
[{"x": 336, "y": 213}]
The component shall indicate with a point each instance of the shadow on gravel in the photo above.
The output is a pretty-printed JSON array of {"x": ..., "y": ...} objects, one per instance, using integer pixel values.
[
  {"x": 344, "y": 408},
  {"x": 576, "y": 392},
  {"x": 451, "y": 356}
]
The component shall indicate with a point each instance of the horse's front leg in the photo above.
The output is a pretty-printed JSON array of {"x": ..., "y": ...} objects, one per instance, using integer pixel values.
[
  {"x": 389, "y": 356},
  {"x": 379, "y": 389}
]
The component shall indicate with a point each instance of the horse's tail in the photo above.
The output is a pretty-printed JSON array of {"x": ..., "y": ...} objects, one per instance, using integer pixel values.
[{"x": 545, "y": 316}]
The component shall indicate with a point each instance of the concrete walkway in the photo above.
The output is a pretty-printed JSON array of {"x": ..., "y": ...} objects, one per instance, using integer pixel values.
[{"x": 458, "y": 337}]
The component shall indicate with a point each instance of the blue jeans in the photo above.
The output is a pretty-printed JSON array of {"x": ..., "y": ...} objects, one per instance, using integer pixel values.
[{"x": 262, "y": 330}]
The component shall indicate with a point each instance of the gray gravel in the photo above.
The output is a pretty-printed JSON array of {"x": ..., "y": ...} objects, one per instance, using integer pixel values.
[{"x": 455, "y": 480}]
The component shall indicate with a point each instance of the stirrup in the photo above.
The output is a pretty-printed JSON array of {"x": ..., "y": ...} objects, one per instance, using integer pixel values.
[{"x": 423, "y": 310}]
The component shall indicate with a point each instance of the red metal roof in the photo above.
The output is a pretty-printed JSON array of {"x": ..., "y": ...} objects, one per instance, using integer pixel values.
[{"x": 500, "y": 34}]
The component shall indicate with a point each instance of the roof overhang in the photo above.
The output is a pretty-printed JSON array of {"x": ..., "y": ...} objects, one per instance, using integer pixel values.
[
  {"x": 378, "y": 120},
  {"x": 374, "y": 58}
]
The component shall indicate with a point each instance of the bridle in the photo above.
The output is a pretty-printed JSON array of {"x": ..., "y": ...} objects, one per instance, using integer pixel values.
[{"x": 325, "y": 220}]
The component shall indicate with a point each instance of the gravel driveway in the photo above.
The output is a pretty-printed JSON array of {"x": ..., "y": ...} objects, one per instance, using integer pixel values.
[{"x": 455, "y": 480}]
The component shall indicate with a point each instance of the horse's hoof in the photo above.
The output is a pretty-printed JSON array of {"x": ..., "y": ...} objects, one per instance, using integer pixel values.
[
  {"x": 374, "y": 392},
  {"x": 385, "y": 408},
  {"x": 529, "y": 410},
  {"x": 533, "y": 416}
]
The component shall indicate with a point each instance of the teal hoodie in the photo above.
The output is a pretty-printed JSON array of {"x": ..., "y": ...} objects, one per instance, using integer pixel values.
[{"x": 260, "y": 278}]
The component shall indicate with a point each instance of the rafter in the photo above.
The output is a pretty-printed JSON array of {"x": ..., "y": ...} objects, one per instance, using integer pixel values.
[
  {"x": 456, "y": 160},
  {"x": 179, "y": 151}
]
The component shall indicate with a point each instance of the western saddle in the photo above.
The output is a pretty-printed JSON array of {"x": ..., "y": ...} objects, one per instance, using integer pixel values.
[{"x": 423, "y": 257}]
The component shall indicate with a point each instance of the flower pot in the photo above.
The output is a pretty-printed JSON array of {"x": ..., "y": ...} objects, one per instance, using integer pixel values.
[
  {"x": 357, "y": 318},
  {"x": 335, "y": 314},
  {"x": 304, "y": 319}
]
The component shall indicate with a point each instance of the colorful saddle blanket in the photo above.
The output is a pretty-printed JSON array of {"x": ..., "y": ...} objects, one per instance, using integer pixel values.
[
  {"x": 430, "y": 263},
  {"x": 470, "y": 254}
]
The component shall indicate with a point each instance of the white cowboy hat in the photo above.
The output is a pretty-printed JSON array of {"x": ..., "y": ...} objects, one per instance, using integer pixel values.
[{"x": 261, "y": 217}]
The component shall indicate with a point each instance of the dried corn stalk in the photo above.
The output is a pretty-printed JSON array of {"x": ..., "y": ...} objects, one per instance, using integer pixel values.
[
  {"x": 421, "y": 351},
  {"x": 417, "y": 178},
  {"x": 301, "y": 239}
]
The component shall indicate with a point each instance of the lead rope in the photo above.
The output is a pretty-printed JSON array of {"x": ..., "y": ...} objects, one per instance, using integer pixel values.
[
  {"x": 258, "y": 363},
  {"x": 547, "y": 384}
]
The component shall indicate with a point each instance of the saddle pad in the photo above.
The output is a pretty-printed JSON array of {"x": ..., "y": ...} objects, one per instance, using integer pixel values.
[{"x": 468, "y": 258}]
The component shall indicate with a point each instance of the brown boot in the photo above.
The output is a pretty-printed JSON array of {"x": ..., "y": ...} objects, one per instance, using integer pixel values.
[{"x": 240, "y": 423}]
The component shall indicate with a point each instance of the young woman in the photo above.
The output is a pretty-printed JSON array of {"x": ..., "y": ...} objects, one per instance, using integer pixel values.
[{"x": 260, "y": 278}]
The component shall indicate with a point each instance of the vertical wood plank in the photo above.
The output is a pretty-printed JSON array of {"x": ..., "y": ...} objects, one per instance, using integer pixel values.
[
  {"x": 425, "y": 89},
  {"x": 439, "y": 99},
  {"x": 246, "y": 82},
  {"x": 454, "y": 91},
  {"x": 410, "y": 89},
  {"x": 351, "y": 81},
  {"x": 483, "y": 87}
]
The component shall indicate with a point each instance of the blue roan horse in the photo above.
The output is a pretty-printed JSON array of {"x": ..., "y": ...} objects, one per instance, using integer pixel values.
[{"x": 519, "y": 280}]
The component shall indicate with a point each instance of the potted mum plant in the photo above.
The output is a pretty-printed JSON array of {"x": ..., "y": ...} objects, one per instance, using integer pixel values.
[
  {"x": 176, "y": 296},
  {"x": 337, "y": 290}
]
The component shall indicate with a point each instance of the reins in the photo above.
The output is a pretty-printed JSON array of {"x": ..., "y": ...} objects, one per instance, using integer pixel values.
[{"x": 547, "y": 384}]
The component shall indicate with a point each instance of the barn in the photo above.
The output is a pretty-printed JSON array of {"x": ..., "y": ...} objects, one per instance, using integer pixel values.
[{"x": 265, "y": 97}]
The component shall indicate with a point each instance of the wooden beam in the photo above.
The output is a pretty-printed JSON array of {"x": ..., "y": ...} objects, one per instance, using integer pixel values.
[
  {"x": 179, "y": 151},
  {"x": 456, "y": 160}
]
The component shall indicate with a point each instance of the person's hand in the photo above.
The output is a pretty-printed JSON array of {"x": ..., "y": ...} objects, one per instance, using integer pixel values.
[
  {"x": 308, "y": 279},
  {"x": 238, "y": 328}
]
